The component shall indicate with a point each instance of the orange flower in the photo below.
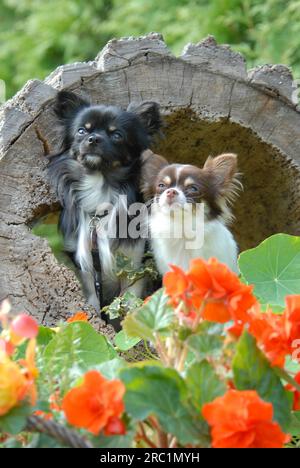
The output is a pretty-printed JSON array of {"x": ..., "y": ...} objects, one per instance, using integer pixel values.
[
  {"x": 78, "y": 317},
  {"x": 226, "y": 296},
  {"x": 236, "y": 329},
  {"x": 213, "y": 286},
  {"x": 30, "y": 371},
  {"x": 12, "y": 385},
  {"x": 17, "y": 383},
  {"x": 241, "y": 419},
  {"x": 94, "y": 403},
  {"x": 275, "y": 333},
  {"x": 296, "y": 403},
  {"x": 178, "y": 286},
  {"x": 7, "y": 347},
  {"x": 292, "y": 313},
  {"x": 271, "y": 335}
]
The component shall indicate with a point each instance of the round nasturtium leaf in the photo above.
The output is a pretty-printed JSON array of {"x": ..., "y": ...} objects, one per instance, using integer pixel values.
[{"x": 273, "y": 268}]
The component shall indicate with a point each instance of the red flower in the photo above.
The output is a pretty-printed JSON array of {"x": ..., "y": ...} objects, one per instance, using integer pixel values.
[
  {"x": 296, "y": 404},
  {"x": 115, "y": 426},
  {"x": 241, "y": 419},
  {"x": 94, "y": 403}
]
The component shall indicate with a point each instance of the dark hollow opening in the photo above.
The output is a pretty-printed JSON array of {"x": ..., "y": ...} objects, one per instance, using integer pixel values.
[{"x": 270, "y": 201}]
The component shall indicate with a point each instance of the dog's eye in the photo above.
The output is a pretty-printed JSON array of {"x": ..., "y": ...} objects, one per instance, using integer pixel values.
[
  {"x": 193, "y": 188},
  {"x": 161, "y": 186},
  {"x": 117, "y": 136},
  {"x": 81, "y": 131}
]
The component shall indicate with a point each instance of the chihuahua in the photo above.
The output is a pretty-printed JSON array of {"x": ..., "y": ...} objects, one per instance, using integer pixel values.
[
  {"x": 96, "y": 177},
  {"x": 190, "y": 211}
]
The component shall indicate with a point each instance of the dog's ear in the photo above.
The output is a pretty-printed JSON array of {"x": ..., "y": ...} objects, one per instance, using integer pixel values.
[
  {"x": 149, "y": 114},
  {"x": 223, "y": 175},
  {"x": 67, "y": 104},
  {"x": 152, "y": 164}
]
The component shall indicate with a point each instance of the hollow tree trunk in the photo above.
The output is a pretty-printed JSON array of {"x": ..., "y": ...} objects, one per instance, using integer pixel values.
[{"x": 211, "y": 105}]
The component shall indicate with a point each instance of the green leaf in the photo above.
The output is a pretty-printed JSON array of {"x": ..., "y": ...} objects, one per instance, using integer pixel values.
[
  {"x": 252, "y": 371},
  {"x": 207, "y": 342},
  {"x": 205, "y": 346},
  {"x": 154, "y": 317},
  {"x": 122, "y": 305},
  {"x": 14, "y": 422},
  {"x": 111, "y": 369},
  {"x": 127, "y": 269},
  {"x": 294, "y": 427},
  {"x": 211, "y": 328},
  {"x": 274, "y": 268},
  {"x": 125, "y": 342},
  {"x": 161, "y": 391},
  {"x": 77, "y": 344},
  {"x": 125, "y": 441},
  {"x": 44, "y": 441},
  {"x": 203, "y": 383},
  {"x": 45, "y": 335}
]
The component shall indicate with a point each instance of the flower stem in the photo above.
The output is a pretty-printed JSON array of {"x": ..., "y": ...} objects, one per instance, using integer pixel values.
[
  {"x": 173, "y": 443},
  {"x": 143, "y": 436},
  {"x": 162, "y": 437},
  {"x": 162, "y": 351},
  {"x": 182, "y": 358}
]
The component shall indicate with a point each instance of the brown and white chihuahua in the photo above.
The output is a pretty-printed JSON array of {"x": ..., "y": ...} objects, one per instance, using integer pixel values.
[{"x": 190, "y": 212}]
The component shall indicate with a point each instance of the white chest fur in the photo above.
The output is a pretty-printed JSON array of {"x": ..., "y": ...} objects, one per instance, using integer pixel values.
[
  {"x": 92, "y": 193},
  {"x": 215, "y": 240},
  {"x": 95, "y": 197}
]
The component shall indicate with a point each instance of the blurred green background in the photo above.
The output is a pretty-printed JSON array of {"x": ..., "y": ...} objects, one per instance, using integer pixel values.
[{"x": 36, "y": 35}]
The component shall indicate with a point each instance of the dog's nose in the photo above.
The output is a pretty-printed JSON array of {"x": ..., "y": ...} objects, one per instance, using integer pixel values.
[
  {"x": 93, "y": 139},
  {"x": 172, "y": 193}
]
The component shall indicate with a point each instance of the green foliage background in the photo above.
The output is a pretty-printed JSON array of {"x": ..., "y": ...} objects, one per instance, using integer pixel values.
[{"x": 36, "y": 36}]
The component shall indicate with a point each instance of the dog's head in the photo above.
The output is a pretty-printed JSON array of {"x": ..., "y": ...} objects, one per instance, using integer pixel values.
[
  {"x": 105, "y": 138},
  {"x": 216, "y": 184}
]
